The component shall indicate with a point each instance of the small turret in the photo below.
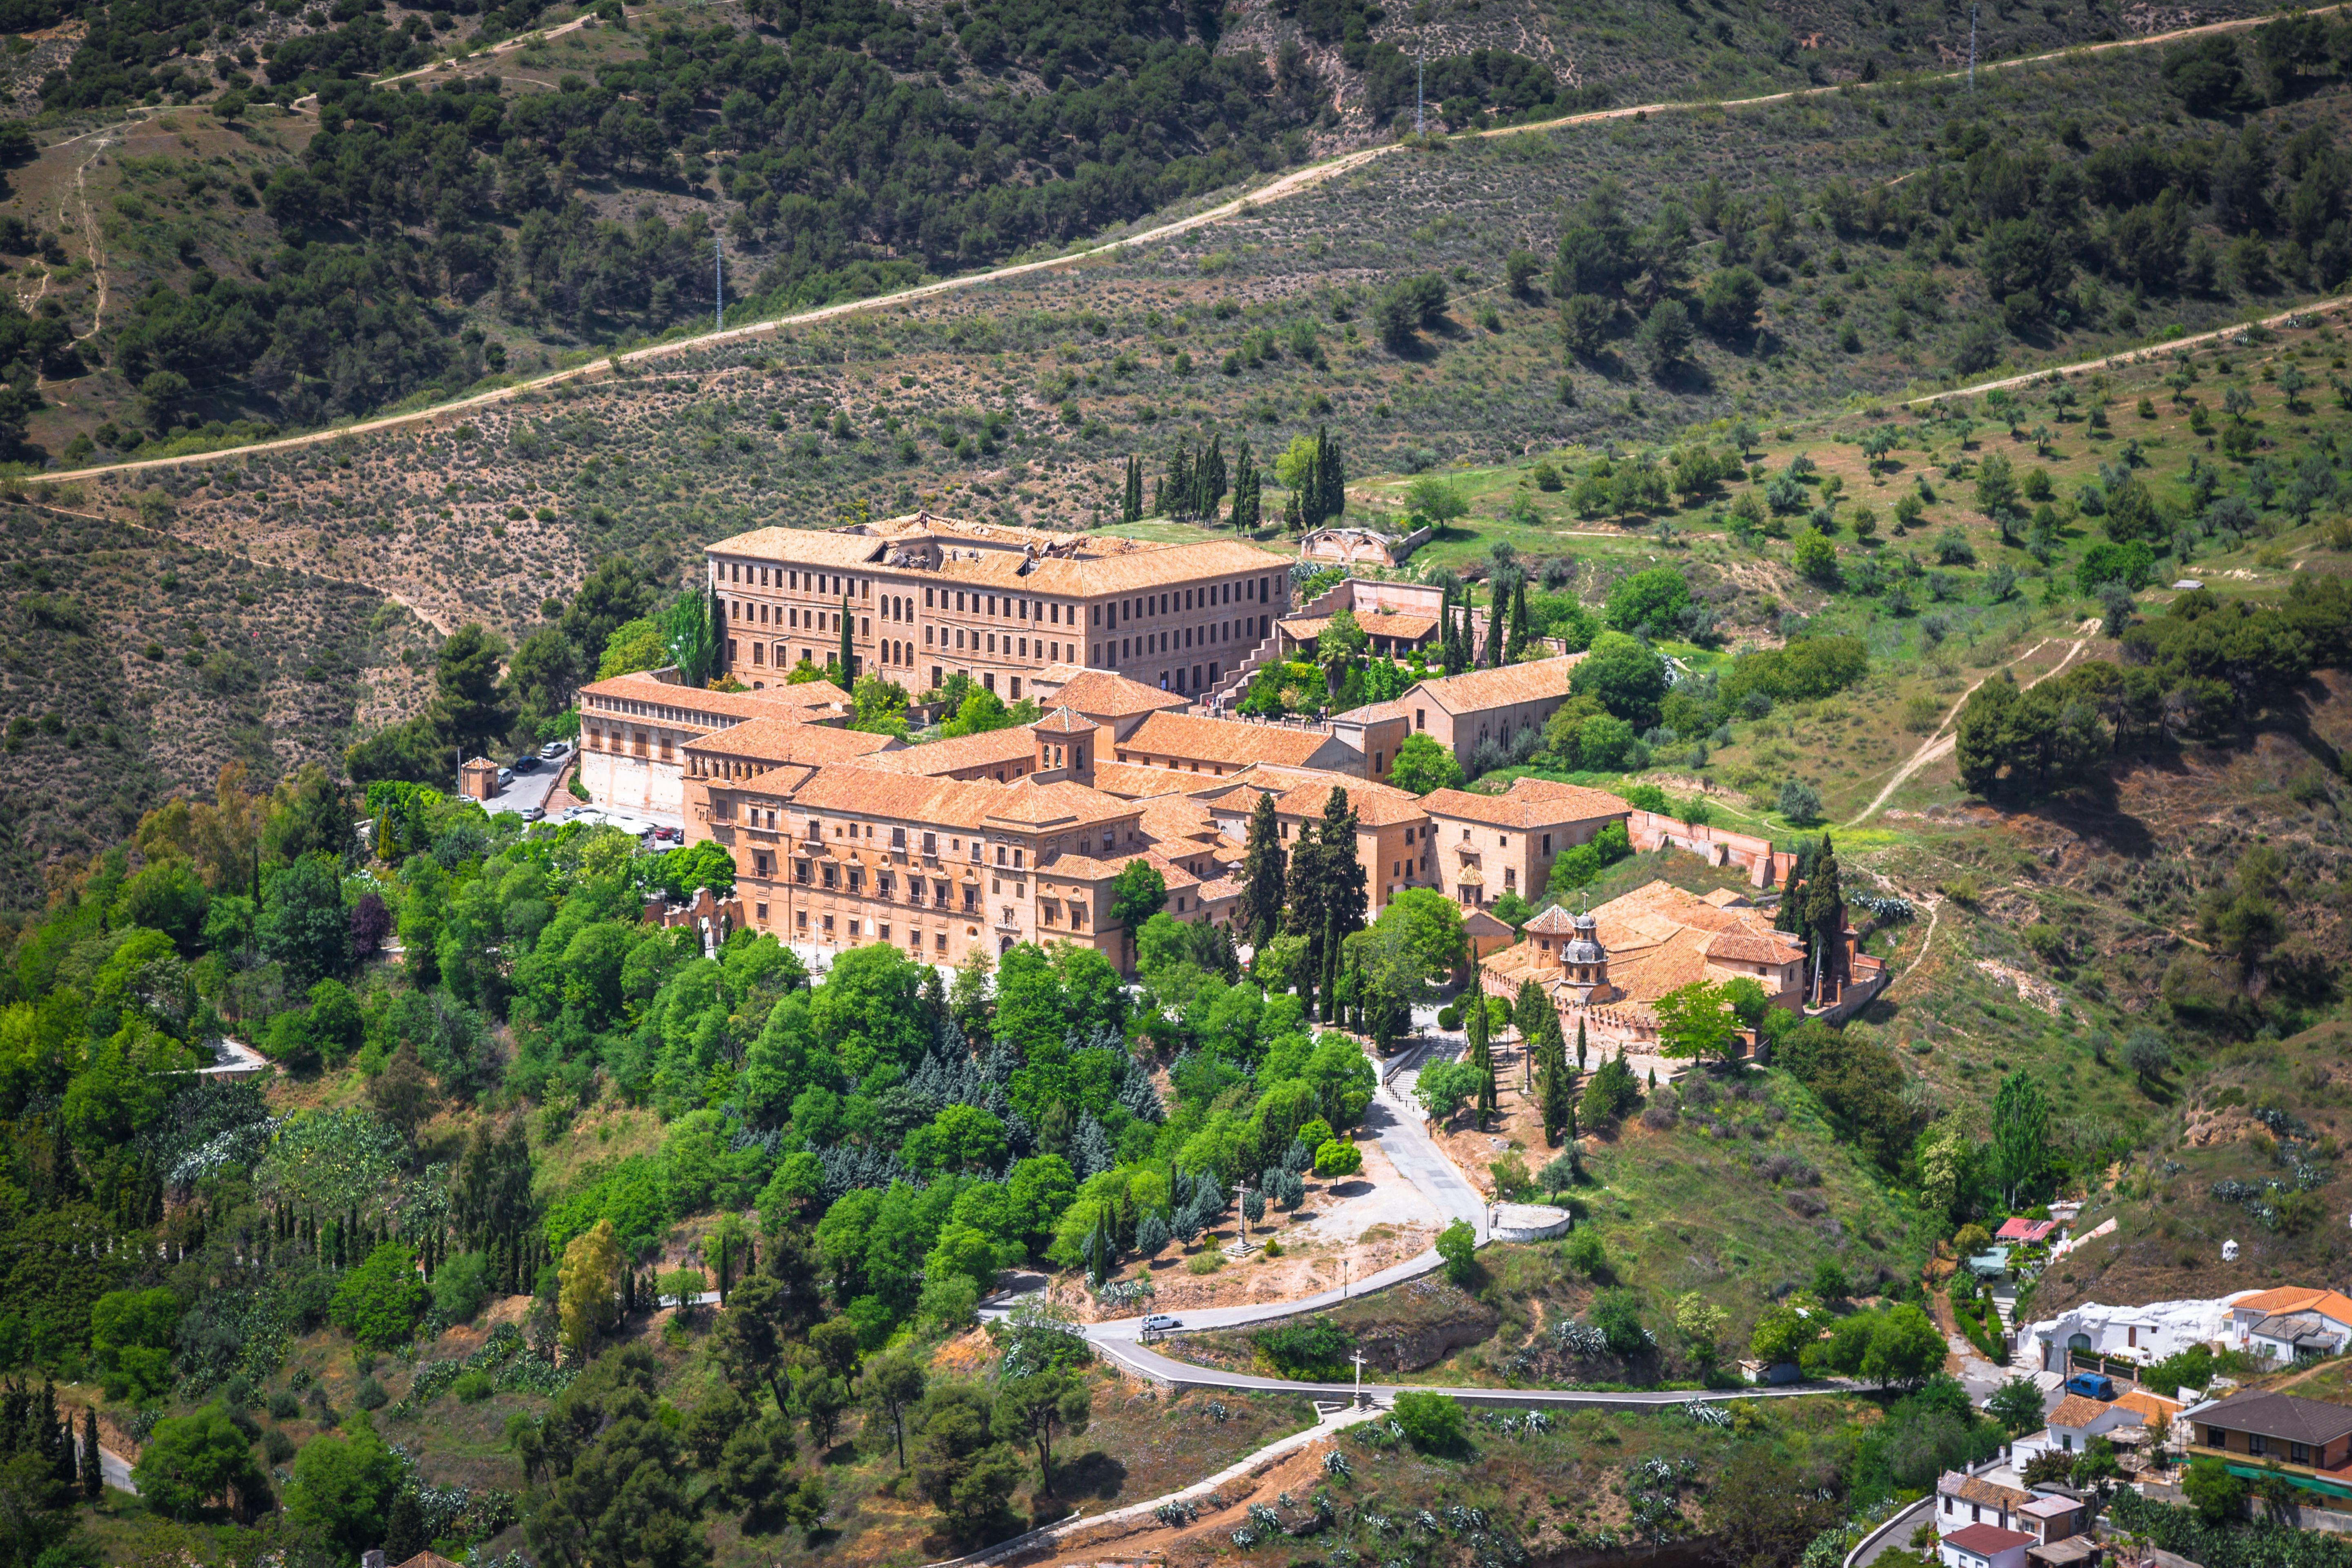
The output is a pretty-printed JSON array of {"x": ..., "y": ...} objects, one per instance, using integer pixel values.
[{"x": 1065, "y": 747}]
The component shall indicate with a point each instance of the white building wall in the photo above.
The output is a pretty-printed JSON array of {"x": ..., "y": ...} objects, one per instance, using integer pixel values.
[
  {"x": 633, "y": 784},
  {"x": 2164, "y": 1328}
]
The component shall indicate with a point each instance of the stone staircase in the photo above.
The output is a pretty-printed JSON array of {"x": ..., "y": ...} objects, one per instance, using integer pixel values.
[{"x": 1229, "y": 690}]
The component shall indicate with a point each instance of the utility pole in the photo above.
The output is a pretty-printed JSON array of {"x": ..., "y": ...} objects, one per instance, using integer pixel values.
[
  {"x": 718, "y": 278},
  {"x": 1972, "y": 49},
  {"x": 1359, "y": 1359}
]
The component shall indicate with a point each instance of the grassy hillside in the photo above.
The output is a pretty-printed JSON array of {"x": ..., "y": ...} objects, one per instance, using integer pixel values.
[{"x": 235, "y": 156}]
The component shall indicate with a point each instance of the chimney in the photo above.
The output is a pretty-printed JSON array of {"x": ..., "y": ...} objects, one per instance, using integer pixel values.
[{"x": 371, "y": 1558}]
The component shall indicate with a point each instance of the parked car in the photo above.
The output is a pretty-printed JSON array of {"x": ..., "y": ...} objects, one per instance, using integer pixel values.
[
  {"x": 670, "y": 834},
  {"x": 534, "y": 813},
  {"x": 527, "y": 764},
  {"x": 2091, "y": 1386},
  {"x": 1159, "y": 1322},
  {"x": 506, "y": 777},
  {"x": 553, "y": 750}
]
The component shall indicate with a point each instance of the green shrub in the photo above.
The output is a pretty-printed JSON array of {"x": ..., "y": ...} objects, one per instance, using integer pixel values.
[
  {"x": 1316, "y": 1352},
  {"x": 472, "y": 1388},
  {"x": 1432, "y": 1422}
]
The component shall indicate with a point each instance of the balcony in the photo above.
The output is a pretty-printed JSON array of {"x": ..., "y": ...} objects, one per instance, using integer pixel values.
[{"x": 1007, "y": 920}]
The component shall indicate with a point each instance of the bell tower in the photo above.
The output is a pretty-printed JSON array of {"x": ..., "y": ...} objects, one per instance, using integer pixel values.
[{"x": 1065, "y": 748}]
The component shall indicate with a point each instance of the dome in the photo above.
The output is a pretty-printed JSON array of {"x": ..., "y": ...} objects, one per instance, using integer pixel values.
[{"x": 1584, "y": 947}]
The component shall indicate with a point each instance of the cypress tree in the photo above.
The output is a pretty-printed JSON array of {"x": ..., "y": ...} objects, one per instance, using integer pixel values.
[
  {"x": 1246, "y": 486},
  {"x": 93, "y": 1467},
  {"x": 1131, "y": 492},
  {"x": 1293, "y": 515},
  {"x": 1332, "y": 970},
  {"x": 1522, "y": 632},
  {"x": 1482, "y": 1056},
  {"x": 1212, "y": 484},
  {"x": 1559, "y": 1103},
  {"x": 1181, "y": 496},
  {"x": 1824, "y": 917},
  {"x": 1498, "y": 614},
  {"x": 846, "y": 676},
  {"x": 1263, "y": 864},
  {"x": 1580, "y": 1044}
]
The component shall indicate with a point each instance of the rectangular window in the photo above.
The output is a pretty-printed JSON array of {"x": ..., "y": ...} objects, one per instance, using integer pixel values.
[{"x": 2255, "y": 1443}]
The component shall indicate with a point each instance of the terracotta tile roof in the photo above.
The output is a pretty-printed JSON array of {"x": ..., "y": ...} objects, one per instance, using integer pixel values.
[
  {"x": 1553, "y": 921},
  {"x": 775, "y": 740},
  {"x": 1982, "y": 1493},
  {"x": 1410, "y": 624},
  {"x": 1988, "y": 1539},
  {"x": 2296, "y": 1298},
  {"x": 1101, "y": 694},
  {"x": 2311, "y": 1421},
  {"x": 1658, "y": 938},
  {"x": 1086, "y": 565},
  {"x": 1476, "y": 691},
  {"x": 716, "y": 707},
  {"x": 1748, "y": 947},
  {"x": 1180, "y": 824},
  {"x": 1224, "y": 887},
  {"x": 2148, "y": 1406},
  {"x": 1728, "y": 898},
  {"x": 1223, "y": 742},
  {"x": 1057, "y": 804},
  {"x": 1374, "y": 712},
  {"x": 990, "y": 748},
  {"x": 1546, "y": 805},
  {"x": 1377, "y": 804},
  {"x": 2077, "y": 1412},
  {"x": 2019, "y": 1229},
  {"x": 1064, "y": 721},
  {"x": 1132, "y": 781}
]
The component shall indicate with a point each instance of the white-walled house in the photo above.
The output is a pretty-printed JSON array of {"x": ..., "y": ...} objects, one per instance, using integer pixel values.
[
  {"x": 2144, "y": 1334},
  {"x": 1984, "y": 1546},
  {"x": 2293, "y": 1320}
]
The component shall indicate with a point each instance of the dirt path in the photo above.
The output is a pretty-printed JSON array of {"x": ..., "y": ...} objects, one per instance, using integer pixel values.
[
  {"x": 1940, "y": 744},
  {"x": 1934, "y": 913},
  {"x": 1287, "y": 185},
  {"x": 2132, "y": 356}
]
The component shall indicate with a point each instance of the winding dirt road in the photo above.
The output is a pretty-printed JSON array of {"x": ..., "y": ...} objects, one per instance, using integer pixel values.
[{"x": 1280, "y": 188}]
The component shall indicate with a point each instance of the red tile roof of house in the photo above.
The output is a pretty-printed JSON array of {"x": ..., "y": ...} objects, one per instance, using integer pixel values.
[
  {"x": 1988, "y": 1539},
  {"x": 2019, "y": 1229}
]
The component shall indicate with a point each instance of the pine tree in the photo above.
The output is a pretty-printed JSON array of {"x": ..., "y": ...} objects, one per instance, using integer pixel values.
[
  {"x": 1263, "y": 865},
  {"x": 1481, "y": 1055}
]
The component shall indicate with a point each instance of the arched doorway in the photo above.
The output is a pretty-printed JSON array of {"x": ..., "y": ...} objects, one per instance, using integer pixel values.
[{"x": 1003, "y": 945}]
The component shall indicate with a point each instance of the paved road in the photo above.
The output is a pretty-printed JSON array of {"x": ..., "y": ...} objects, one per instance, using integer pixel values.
[
  {"x": 236, "y": 1057},
  {"x": 1397, "y": 1125}
]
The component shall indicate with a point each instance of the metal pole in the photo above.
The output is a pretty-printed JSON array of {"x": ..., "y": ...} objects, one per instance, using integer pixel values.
[
  {"x": 1972, "y": 49},
  {"x": 1420, "y": 58},
  {"x": 1359, "y": 1359},
  {"x": 718, "y": 278}
]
